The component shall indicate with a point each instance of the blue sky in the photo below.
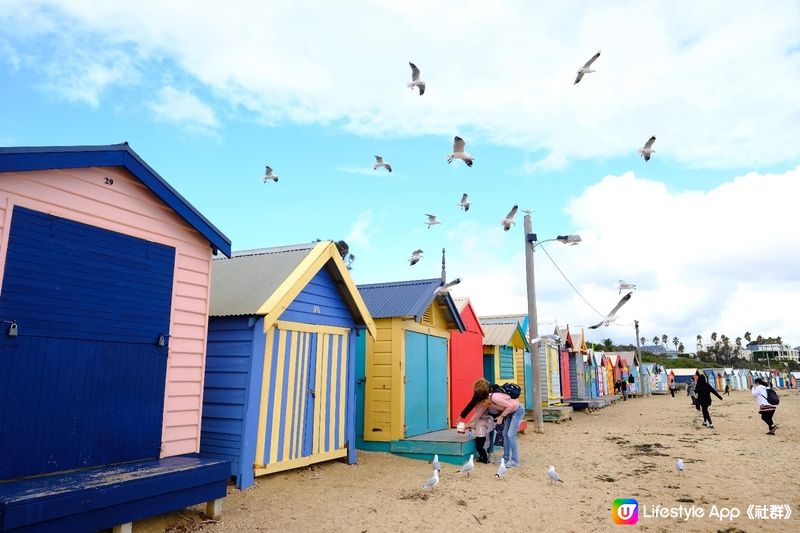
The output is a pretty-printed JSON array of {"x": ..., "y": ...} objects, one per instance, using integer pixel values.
[{"x": 209, "y": 95}]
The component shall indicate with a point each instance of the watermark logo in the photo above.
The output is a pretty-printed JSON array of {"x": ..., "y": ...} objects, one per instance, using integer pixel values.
[{"x": 625, "y": 511}]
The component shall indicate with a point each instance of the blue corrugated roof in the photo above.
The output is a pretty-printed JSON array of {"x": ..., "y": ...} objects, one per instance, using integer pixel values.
[
  {"x": 406, "y": 299},
  {"x": 19, "y": 159}
]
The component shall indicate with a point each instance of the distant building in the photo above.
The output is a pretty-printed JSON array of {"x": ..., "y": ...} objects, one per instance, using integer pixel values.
[
  {"x": 660, "y": 349},
  {"x": 777, "y": 352}
]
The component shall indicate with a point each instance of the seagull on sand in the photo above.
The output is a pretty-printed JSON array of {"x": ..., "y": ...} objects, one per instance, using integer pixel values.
[
  {"x": 379, "y": 162},
  {"x": 464, "y": 203},
  {"x": 469, "y": 466},
  {"x": 625, "y": 286},
  {"x": 416, "y": 255},
  {"x": 433, "y": 481},
  {"x": 435, "y": 463},
  {"x": 432, "y": 220},
  {"x": 679, "y": 466},
  {"x": 553, "y": 475},
  {"x": 501, "y": 469},
  {"x": 415, "y": 81},
  {"x": 268, "y": 175},
  {"x": 586, "y": 68},
  {"x": 612, "y": 316},
  {"x": 509, "y": 220},
  {"x": 647, "y": 150},
  {"x": 459, "y": 153}
]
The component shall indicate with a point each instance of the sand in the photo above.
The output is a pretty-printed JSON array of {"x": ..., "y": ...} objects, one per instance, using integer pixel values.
[{"x": 627, "y": 450}]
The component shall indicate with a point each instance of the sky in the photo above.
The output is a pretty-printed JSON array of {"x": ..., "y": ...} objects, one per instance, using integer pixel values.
[{"x": 209, "y": 93}]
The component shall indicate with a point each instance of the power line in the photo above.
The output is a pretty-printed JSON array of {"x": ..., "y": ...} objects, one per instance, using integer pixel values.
[{"x": 570, "y": 283}]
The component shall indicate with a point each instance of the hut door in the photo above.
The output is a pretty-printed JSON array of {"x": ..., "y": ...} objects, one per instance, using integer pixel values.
[
  {"x": 82, "y": 382},
  {"x": 425, "y": 384},
  {"x": 528, "y": 380}
]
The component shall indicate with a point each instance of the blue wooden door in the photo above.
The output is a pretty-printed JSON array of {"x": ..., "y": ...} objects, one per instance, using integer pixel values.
[
  {"x": 83, "y": 382},
  {"x": 426, "y": 384},
  {"x": 528, "y": 380},
  {"x": 437, "y": 383},
  {"x": 361, "y": 380},
  {"x": 488, "y": 367},
  {"x": 416, "y": 416}
]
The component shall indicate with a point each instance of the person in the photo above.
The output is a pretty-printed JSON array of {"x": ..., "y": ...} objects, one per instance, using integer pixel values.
[
  {"x": 704, "y": 392},
  {"x": 672, "y": 386},
  {"x": 484, "y": 427},
  {"x": 623, "y": 387},
  {"x": 511, "y": 414},
  {"x": 727, "y": 389},
  {"x": 617, "y": 386},
  {"x": 765, "y": 409},
  {"x": 690, "y": 391},
  {"x": 480, "y": 392}
]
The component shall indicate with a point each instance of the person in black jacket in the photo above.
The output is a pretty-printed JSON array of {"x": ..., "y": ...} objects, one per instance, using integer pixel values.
[{"x": 704, "y": 392}]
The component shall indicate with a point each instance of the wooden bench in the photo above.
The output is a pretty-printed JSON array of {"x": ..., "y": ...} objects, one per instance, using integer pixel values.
[{"x": 112, "y": 496}]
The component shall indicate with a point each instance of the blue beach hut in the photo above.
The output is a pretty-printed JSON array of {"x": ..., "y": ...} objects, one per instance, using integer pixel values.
[{"x": 280, "y": 380}]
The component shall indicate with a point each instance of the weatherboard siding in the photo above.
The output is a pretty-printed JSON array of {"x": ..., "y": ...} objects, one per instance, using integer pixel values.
[{"x": 86, "y": 195}]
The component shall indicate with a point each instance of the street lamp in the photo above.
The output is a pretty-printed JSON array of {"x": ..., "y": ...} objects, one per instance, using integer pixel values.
[{"x": 531, "y": 241}]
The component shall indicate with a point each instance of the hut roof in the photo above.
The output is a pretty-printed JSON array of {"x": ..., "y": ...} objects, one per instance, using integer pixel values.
[
  {"x": 265, "y": 281},
  {"x": 509, "y": 334},
  {"x": 462, "y": 302},
  {"x": 409, "y": 299},
  {"x": 19, "y": 159},
  {"x": 683, "y": 371}
]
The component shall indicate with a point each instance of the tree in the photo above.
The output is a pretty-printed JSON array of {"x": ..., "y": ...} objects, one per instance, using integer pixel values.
[
  {"x": 665, "y": 340},
  {"x": 675, "y": 342},
  {"x": 643, "y": 340},
  {"x": 608, "y": 344},
  {"x": 747, "y": 336},
  {"x": 680, "y": 348},
  {"x": 714, "y": 337},
  {"x": 655, "y": 340},
  {"x": 738, "y": 342},
  {"x": 699, "y": 341}
]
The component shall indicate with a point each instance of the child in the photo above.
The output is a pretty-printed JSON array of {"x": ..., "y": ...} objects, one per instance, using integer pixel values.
[{"x": 484, "y": 425}]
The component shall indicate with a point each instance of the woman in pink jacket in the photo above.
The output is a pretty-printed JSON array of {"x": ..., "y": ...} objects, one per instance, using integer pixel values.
[{"x": 511, "y": 415}]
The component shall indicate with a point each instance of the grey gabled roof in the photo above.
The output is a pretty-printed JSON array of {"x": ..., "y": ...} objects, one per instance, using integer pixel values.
[{"x": 240, "y": 285}]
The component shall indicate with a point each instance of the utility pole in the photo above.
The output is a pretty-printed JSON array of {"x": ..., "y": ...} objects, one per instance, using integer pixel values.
[
  {"x": 533, "y": 326},
  {"x": 639, "y": 358}
]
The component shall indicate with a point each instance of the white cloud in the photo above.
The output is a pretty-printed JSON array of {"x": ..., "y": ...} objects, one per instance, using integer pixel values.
[
  {"x": 718, "y": 91},
  {"x": 185, "y": 109},
  {"x": 361, "y": 232}
]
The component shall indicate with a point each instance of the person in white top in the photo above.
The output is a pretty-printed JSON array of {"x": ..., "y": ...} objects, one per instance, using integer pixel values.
[{"x": 765, "y": 409}]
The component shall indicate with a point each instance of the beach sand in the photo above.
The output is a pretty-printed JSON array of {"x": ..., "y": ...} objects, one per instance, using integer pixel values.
[{"x": 627, "y": 450}]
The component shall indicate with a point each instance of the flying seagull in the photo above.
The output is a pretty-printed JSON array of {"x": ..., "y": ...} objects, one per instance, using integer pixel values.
[
  {"x": 415, "y": 81},
  {"x": 553, "y": 475},
  {"x": 416, "y": 255},
  {"x": 268, "y": 175},
  {"x": 647, "y": 150},
  {"x": 464, "y": 203},
  {"x": 469, "y": 466},
  {"x": 501, "y": 469},
  {"x": 379, "y": 162},
  {"x": 509, "y": 220},
  {"x": 435, "y": 463},
  {"x": 586, "y": 68},
  {"x": 444, "y": 289},
  {"x": 624, "y": 286},
  {"x": 459, "y": 153},
  {"x": 612, "y": 316},
  {"x": 433, "y": 481},
  {"x": 679, "y": 466},
  {"x": 432, "y": 220}
]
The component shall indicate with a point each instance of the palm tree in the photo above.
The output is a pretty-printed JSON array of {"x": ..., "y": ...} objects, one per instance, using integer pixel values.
[
  {"x": 747, "y": 336},
  {"x": 643, "y": 341},
  {"x": 714, "y": 337},
  {"x": 738, "y": 342},
  {"x": 680, "y": 348},
  {"x": 699, "y": 341},
  {"x": 608, "y": 344},
  {"x": 655, "y": 340},
  {"x": 665, "y": 340},
  {"x": 675, "y": 342}
]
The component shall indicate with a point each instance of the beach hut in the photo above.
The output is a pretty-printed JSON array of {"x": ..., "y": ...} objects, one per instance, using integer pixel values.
[
  {"x": 406, "y": 389},
  {"x": 683, "y": 375},
  {"x": 610, "y": 361},
  {"x": 280, "y": 381},
  {"x": 104, "y": 301},
  {"x": 659, "y": 382},
  {"x": 601, "y": 376},
  {"x": 553, "y": 366},
  {"x": 590, "y": 373},
  {"x": 466, "y": 358},
  {"x": 505, "y": 343},
  {"x": 747, "y": 377}
]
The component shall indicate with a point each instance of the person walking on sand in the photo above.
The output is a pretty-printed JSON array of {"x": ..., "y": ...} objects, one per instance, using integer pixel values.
[
  {"x": 623, "y": 387},
  {"x": 704, "y": 392},
  {"x": 765, "y": 409},
  {"x": 727, "y": 389},
  {"x": 690, "y": 392},
  {"x": 511, "y": 415}
]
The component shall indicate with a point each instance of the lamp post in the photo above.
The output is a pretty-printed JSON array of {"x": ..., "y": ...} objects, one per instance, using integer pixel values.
[{"x": 533, "y": 326}]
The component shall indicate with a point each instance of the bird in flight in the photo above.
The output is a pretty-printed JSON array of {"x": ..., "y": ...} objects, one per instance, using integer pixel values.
[
  {"x": 647, "y": 150},
  {"x": 624, "y": 286},
  {"x": 432, "y": 220},
  {"x": 586, "y": 68},
  {"x": 268, "y": 175},
  {"x": 612, "y": 316},
  {"x": 459, "y": 153},
  {"x": 379, "y": 162},
  {"x": 415, "y": 81},
  {"x": 509, "y": 220},
  {"x": 464, "y": 203},
  {"x": 553, "y": 475},
  {"x": 416, "y": 255}
]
